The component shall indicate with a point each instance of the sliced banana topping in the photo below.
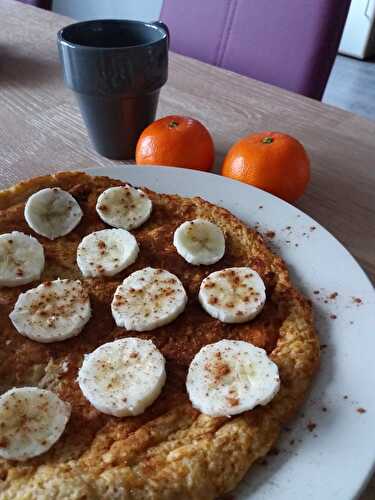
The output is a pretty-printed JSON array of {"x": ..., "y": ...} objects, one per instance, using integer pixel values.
[
  {"x": 199, "y": 241},
  {"x": 21, "y": 259},
  {"x": 31, "y": 421},
  {"x": 123, "y": 377},
  {"x": 147, "y": 299},
  {"x": 233, "y": 295},
  {"x": 124, "y": 206},
  {"x": 230, "y": 377},
  {"x": 52, "y": 212},
  {"x": 107, "y": 252},
  {"x": 53, "y": 311}
]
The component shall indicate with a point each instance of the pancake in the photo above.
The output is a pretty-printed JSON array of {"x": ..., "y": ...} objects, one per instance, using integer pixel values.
[{"x": 171, "y": 451}]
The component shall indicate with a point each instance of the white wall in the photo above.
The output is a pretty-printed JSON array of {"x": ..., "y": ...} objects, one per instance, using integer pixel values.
[
  {"x": 145, "y": 10},
  {"x": 356, "y": 37}
]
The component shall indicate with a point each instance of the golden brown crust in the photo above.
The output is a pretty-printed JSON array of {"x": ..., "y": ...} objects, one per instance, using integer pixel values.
[{"x": 172, "y": 451}]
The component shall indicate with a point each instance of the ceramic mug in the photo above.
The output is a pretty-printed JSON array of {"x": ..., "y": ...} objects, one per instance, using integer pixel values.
[{"x": 116, "y": 69}]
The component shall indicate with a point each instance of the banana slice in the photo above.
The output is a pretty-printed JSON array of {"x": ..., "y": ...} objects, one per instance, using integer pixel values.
[
  {"x": 123, "y": 377},
  {"x": 199, "y": 241},
  {"x": 52, "y": 212},
  {"x": 31, "y": 421},
  {"x": 124, "y": 206},
  {"x": 107, "y": 252},
  {"x": 53, "y": 311},
  {"x": 233, "y": 295},
  {"x": 230, "y": 377},
  {"x": 21, "y": 259},
  {"x": 147, "y": 299}
]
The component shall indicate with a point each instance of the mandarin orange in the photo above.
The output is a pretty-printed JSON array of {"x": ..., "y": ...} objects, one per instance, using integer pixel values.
[
  {"x": 178, "y": 141},
  {"x": 272, "y": 161}
]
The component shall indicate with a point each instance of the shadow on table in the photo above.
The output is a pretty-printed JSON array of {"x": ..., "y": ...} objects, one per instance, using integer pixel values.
[{"x": 25, "y": 69}]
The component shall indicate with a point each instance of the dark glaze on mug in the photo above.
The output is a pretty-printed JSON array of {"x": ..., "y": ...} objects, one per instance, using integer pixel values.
[{"x": 116, "y": 69}]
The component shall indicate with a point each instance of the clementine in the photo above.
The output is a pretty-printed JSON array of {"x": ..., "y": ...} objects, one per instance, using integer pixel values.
[
  {"x": 177, "y": 141},
  {"x": 272, "y": 161}
]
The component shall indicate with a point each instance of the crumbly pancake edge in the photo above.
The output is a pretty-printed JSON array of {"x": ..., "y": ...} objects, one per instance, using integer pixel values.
[{"x": 182, "y": 453}]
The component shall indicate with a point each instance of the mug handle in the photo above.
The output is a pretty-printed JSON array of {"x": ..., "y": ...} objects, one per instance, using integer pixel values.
[{"x": 164, "y": 27}]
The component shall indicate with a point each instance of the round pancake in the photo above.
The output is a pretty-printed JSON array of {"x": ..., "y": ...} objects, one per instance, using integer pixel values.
[{"x": 171, "y": 451}]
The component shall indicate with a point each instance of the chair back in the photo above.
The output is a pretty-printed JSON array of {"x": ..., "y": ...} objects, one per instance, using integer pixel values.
[{"x": 288, "y": 43}]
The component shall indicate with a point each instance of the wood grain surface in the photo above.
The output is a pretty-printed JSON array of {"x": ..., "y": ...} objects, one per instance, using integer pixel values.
[{"x": 41, "y": 130}]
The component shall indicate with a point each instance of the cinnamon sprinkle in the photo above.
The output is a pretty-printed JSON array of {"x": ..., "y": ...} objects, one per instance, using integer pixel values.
[
  {"x": 270, "y": 234},
  {"x": 311, "y": 426},
  {"x": 233, "y": 401}
]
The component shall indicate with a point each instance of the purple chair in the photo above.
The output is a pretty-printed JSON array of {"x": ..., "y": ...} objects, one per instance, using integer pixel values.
[
  {"x": 44, "y": 4},
  {"x": 289, "y": 43}
]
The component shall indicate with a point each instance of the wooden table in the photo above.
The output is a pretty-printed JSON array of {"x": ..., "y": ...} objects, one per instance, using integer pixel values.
[{"x": 41, "y": 129}]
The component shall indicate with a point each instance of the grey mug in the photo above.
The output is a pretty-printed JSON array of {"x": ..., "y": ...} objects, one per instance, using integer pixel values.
[{"x": 116, "y": 69}]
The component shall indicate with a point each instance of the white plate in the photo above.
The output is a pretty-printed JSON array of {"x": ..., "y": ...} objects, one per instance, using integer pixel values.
[{"x": 334, "y": 460}]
